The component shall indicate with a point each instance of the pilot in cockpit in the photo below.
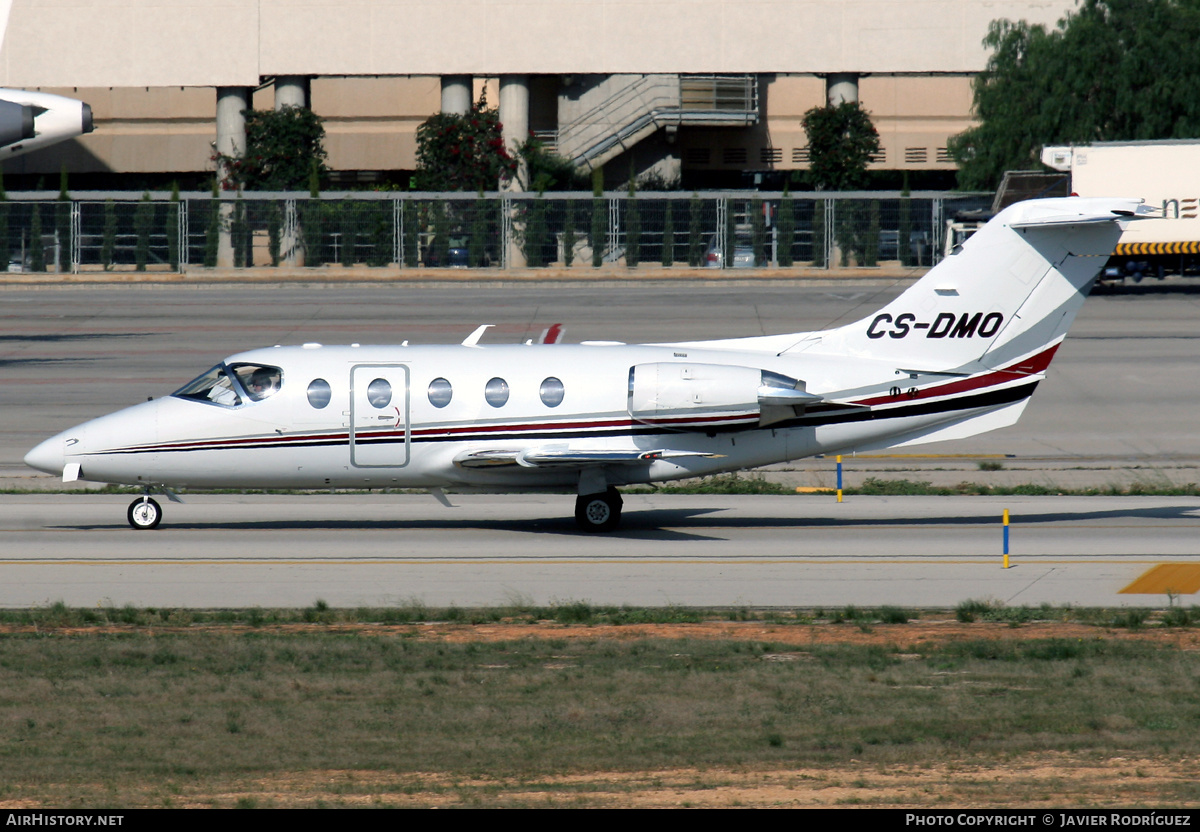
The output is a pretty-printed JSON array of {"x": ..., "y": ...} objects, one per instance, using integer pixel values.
[{"x": 263, "y": 384}]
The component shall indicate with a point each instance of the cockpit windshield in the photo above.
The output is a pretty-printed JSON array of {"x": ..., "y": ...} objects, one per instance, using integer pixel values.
[{"x": 233, "y": 385}]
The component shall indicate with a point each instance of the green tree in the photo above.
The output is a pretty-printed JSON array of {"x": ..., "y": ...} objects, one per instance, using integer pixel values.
[
  {"x": 172, "y": 228},
  {"x": 143, "y": 222},
  {"x": 108, "y": 242},
  {"x": 786, "y": 228},
  {"x": 841, "y": 140},
  {"x": 568, "y": 234},
  {"x": 62, "y": 222},
  {"x": 480, "y": 221},
  {"x": 668, "y": 243},
  {"x": 463, "y": 152},
  {"x": 633, "y": 227},
  {"x": 819, "y": 247},
  {"x": 37, "y": 255},
  {"x": 870, "y": 249},
  {"x": 758, "y": 232},
  {"x": 1114, "y": 70},
  {"x": 283, "y": 149},
  {"x": 274, "y": 233},
  {"x": 410, "y": 218},
  {"x": 348, "y": 229},
  {"x": 695, "y": 240}
]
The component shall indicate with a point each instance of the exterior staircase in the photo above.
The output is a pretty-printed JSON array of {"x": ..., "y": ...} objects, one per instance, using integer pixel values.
[{"x": 630, "y": 108}]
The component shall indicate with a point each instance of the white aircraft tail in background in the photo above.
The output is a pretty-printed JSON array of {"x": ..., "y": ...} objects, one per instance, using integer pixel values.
[{"x": 959, "y": 353}]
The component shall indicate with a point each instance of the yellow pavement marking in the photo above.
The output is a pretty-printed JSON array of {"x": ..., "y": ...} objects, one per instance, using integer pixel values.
[{"x": 1182, "y": 578}]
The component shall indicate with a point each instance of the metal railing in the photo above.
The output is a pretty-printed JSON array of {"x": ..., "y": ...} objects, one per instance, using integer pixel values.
[{"x": 120, "y": 232}]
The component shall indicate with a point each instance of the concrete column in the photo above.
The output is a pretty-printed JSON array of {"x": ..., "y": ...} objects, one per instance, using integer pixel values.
[
  {"x": 841, "y": 87},
  {"x": 291, "y": 91},
  {"x": 231, "y": 141},
  {"x": 456, "y": 94},
  {"x": 514, "y": 115}
]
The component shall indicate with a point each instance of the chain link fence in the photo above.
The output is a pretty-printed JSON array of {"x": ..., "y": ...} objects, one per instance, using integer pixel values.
[{"x": 725, "y": 230}]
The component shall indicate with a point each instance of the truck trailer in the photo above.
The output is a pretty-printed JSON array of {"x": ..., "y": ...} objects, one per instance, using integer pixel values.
[{"x": 1166, "y": 175}]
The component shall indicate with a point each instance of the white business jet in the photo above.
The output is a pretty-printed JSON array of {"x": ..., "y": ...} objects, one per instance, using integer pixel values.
[{"x": 958, "y": 353}]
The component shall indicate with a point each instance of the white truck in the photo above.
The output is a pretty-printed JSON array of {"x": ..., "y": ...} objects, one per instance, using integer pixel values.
[{"x": 1166, "y": 174}]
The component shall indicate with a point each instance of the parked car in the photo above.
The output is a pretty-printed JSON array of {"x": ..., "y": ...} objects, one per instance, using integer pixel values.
[
  {"x": 743, "y": 255},
  {"x": 458, "y": 256}
]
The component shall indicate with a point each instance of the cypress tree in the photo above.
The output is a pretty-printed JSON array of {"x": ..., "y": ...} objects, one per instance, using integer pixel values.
[
  {"x": 568, "y": 235},
  {"x": 143, "y": 221},
  {"x": 787, "y": 228},
  {"x": 172, "y": 228},
  {"x": 108, "y": 242},
  {"x": 695, "y": 241},
  {"x": 37, "y": 255},
  {"x": 668, "y": 243}
]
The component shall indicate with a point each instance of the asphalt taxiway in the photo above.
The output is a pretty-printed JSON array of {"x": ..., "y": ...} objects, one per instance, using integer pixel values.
[{"x": 782, "y": 551}]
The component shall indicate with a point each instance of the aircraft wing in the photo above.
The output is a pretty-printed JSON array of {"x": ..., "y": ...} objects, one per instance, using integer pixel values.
[{"x": 562, "y": 457}]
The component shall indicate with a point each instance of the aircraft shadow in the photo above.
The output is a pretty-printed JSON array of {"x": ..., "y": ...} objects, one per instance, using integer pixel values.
[{"x": 665, "y": 524}]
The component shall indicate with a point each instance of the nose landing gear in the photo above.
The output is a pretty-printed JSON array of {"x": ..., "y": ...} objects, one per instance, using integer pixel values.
[{"x": 144, "y": 513}]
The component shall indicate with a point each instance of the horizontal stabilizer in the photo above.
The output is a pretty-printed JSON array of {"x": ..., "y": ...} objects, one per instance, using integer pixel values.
[{"x": 1088, "y": 215}]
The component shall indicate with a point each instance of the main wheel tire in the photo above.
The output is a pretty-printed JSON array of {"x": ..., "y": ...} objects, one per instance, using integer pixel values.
[
  {"x": 599, "y": 512},
  {"x": 144, "y": 513}
]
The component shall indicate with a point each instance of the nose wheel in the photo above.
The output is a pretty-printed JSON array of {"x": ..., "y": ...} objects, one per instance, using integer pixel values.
[
  {"x": 599, "y": 512},
  {"x": 144, "y": 513}
]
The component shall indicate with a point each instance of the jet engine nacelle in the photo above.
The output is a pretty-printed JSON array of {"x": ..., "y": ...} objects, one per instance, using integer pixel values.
[
  {"x": 33, "y": 120},
  {"x": 702, "y": 397}
]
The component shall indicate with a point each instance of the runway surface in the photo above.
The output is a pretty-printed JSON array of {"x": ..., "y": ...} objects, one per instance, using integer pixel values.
[
  {"x": 394, "y": 549},
  {"x": 1125, "y": 386}
]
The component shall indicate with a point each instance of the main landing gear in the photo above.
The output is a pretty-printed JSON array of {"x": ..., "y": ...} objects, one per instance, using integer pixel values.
[
  {"x": 600, "y": 512},
  {"x": 144, "y": 513}
]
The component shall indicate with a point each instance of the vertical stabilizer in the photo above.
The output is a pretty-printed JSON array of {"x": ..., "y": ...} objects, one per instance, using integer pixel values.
[{"x": 1010, "y": 291}]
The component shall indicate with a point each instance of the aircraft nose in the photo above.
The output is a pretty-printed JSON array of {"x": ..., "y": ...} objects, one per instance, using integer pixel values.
[{"x": 50, "y": 456}]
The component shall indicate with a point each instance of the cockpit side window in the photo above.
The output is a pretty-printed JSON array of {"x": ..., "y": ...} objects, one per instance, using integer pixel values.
[
  {"x": 214, "y": 387},
  {"x": 233, "y": 385},
  {"x": 260, "y": 381}
]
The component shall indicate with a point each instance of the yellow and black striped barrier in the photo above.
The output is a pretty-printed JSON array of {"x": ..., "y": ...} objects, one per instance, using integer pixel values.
[{"x": 1132, "y": 249}]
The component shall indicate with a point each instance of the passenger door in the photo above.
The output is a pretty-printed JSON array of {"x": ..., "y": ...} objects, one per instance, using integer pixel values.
[{"x": 380, "y": 430}]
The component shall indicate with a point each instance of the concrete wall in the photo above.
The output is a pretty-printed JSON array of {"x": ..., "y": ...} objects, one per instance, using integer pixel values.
[{"x": 148, "y": 43}]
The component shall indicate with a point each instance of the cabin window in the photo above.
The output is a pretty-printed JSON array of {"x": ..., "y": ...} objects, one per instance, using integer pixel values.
[
  {"x": 379, "y": 392},
  {"x": 551, "y": 392},
  {"x": 440, "y": 392},
  {"x": 496, "y": 392},
  {"x": 319, "y": 393}
]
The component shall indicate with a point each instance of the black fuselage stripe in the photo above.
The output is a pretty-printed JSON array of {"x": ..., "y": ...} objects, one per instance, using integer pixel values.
[{"x": 991, "y": 398}]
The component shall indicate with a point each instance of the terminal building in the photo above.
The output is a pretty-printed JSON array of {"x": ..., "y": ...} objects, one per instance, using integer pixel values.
[{"x": 703, "y": 93}]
